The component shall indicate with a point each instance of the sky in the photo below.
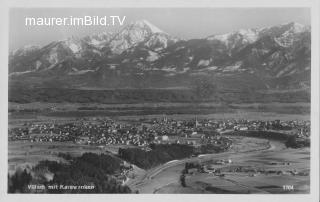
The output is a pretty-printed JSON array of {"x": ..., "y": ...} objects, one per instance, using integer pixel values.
[{"x": 185, "y": 23}]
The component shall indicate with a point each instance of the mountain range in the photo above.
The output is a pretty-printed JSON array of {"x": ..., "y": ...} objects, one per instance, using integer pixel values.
[{"x": 141, "y": 55}]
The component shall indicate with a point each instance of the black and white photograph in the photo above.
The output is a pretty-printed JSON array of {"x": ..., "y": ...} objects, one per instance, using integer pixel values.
[{"x": 160, "y": 100}]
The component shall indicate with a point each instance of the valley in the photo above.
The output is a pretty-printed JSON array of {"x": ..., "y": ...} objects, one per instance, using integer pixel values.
[{"x": 139, "y": 110}]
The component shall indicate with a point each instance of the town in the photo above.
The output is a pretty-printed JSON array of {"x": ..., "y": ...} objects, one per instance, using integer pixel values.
[{"x": 103, "y": 132}]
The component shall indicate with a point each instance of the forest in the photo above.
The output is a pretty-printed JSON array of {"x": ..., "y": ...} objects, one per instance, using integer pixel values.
[
  {"x": 90, "y": 169},
  {"x": 159, "y": 154}
]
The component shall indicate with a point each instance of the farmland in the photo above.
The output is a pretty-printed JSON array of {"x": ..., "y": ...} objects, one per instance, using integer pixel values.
[{"x": 246, "y": 152}]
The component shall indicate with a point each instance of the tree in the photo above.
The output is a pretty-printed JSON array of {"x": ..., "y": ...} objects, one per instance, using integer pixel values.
[
  {"x": 18, "y": 182},
  {"x": 183, "y": 180},
  {"x": 292, "y": 142}
]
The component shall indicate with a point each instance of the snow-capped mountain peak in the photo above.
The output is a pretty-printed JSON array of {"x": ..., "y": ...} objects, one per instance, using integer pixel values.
[
  {"x": 282, "y": 34},
  {"x": 74, "y": 44},
  {"x": 141, "y": 46},
  {"x": 236, "y": 38},
  {"x": 145, "y": 24},
  {"x": 295, "y": 27},
  {"x": 152, "y": 27},
  {"x": 25, "y": 50},
  {"x": 133, "y": 34}
]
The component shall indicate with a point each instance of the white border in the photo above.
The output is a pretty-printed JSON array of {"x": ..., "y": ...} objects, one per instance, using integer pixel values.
[{"x": 314, "y": 175}]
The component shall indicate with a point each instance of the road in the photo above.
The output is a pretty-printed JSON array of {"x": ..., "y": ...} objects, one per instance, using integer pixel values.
[{"x": 169, "y": 173}]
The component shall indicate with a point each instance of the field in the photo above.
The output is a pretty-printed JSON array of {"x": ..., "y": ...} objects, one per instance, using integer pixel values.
[
  {"x": 247, "y": 152},
  {"x": 261, "y": 183},
  {"x": 21, "y": 94},
  {"x": 243, "y": 183},
  {"x": 255, "y": 111}
]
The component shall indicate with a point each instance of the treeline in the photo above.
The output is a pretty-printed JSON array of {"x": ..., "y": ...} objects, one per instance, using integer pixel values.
[
  {"x": 289, "y": 140},
  {"x": 210, "y": 148},
  {"x": 58, "y": 95},
  {"x": 261, "y": 134},
  {"x": 294, "y": 142},
  {"x": 158, "y": 154},
  {"x": 90, "y": 169},
  {"x": 18, "y": 182}
]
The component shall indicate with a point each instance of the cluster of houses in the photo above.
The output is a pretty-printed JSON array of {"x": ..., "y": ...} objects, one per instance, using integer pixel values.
[
  {"x": 223, "y": 166},
  {"x": 143, "y": 133}
]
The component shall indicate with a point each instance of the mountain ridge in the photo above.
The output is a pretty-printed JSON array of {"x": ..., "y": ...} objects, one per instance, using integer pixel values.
[{"x": 276, "y": 53}]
